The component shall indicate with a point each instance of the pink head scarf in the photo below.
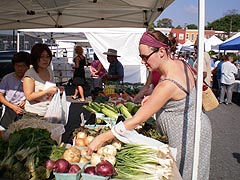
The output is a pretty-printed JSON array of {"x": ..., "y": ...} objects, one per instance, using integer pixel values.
[{"x": 149, "y": 40}]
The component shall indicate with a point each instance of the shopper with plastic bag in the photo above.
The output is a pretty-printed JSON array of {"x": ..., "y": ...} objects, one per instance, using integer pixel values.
[{"x": 39, "y": 90}]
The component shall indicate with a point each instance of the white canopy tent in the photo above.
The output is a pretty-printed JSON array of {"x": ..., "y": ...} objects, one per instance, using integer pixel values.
[
  {"x": 25, "y": 14},
  {"x": 17, "y": 14},
  {"x": 187, "y": 46},
  {"x": 212, "y": 43},
  {"x": 230, "y": 50},
  {"x": 124, "y": 40}
]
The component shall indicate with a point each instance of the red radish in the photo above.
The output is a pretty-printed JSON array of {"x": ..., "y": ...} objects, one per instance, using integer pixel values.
[
  {"x": 74, "y": 168},
  {"x": 49, "y": 164}
]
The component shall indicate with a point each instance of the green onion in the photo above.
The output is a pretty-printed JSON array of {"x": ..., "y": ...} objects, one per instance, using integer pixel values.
[{"x": 144, "y": 162}]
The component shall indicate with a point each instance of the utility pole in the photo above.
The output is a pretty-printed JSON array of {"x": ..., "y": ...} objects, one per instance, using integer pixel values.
[{"x": 230, "y": 30}]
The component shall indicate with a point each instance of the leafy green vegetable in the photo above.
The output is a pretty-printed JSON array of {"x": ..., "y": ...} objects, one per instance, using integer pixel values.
[{"x": 27, "y": 151}]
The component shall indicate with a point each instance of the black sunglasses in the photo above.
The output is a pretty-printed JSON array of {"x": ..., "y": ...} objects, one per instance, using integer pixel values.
[{"x": 146, "y": 57}]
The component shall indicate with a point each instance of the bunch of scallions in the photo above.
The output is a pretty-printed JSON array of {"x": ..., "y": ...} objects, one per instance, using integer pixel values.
[{"x": 144, "y": 162}]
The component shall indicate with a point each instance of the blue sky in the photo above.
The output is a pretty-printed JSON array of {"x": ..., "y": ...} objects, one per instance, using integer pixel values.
[{"x": 186, "y": 11}]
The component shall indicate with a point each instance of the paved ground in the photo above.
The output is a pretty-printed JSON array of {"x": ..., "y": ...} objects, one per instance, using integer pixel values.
[{"x": 225, "y": 157}]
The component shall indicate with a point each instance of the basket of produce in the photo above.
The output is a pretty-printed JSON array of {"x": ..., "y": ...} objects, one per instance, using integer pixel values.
[
  {"x": 68, "y": 176},
  {"x": 109, "y": 89},
  {"x": 63, "y": 170},
  {"x": 103, "y": 170}
]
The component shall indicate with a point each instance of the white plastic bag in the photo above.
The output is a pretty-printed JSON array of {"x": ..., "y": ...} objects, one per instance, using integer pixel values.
[
  {"x": 58, "y": 109},
  {"x": 133, "y": 137},
  {"x": 65, "y": 106}
]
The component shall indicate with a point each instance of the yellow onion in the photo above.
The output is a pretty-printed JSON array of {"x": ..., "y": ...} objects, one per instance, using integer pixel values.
[{"x": 72, "y": 155}]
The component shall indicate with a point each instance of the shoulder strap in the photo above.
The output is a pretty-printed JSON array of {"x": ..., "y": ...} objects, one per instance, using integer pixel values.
[
  {"x": 179, "y": 85},
  {"x": 193, "y": 70}
]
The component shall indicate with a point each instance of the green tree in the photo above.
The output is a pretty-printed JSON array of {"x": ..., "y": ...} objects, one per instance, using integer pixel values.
[
  {"x": 229, "y": 23},
  {"x": 151, "y": 26},
  {"x": 164, "y": 23},
  {"x": 178, "y": 27},
  {"x": 192, "y": 26}
]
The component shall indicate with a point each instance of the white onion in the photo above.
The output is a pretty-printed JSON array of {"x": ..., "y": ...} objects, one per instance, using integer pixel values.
[{"x": 81, "y": 135}]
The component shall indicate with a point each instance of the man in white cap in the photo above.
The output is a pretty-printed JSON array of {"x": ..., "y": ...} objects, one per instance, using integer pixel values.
[{"x": 115, "y": 70}]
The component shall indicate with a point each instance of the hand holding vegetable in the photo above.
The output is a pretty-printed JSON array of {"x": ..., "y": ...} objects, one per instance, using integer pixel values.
[{"x": 99, "y": 141}]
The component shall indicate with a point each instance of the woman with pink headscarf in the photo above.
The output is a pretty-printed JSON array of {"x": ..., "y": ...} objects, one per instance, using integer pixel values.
[{"x": 174, "y": 101}]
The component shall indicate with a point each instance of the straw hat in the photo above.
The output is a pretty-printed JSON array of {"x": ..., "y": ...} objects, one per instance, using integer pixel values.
[{"x": 111, "y": 52}]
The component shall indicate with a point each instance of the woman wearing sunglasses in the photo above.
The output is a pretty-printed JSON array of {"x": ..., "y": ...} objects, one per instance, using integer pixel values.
[{"x": 174, "y": 100}]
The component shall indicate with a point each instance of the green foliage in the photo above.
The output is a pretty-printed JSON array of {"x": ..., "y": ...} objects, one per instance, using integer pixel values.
[
  {"x": 27, "y": 150},
  {"x": 165, "y": 23},
  {"x": 227, "y": 23},
  {"x": 151, "y": 26},
  {"x": 192, "y": 26},
  {"x": 178, "y": 27}
]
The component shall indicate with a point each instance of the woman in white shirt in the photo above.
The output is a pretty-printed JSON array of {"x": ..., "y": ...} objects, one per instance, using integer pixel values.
[
  {"x": 229, "y": 70},
  {"x": 37, "y": 96}
]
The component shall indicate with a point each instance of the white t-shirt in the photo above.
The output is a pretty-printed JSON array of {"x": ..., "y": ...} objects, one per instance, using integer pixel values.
[
  {"x": 228, "y": 73},
  {"x": 38, "y": 106},
  {"x": 216, "y": 63}
]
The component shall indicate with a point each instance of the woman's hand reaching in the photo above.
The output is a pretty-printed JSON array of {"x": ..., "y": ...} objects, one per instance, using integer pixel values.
[
  {"x": 99, "y": 141},
  {"x": 94, "y": 145}
]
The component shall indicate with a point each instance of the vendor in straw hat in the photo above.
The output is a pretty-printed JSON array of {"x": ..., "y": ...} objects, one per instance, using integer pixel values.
[{"x": 115, "y": 70}]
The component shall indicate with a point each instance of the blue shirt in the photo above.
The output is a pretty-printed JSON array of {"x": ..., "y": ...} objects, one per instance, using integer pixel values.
[
  {"x": 116, "y": 68},
  {"x": 219, "y": 70}
]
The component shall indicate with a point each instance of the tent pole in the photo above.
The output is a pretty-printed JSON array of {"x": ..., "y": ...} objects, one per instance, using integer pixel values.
[
  {"x": 201, "y": 24},
  {"x": 18, "y": 41}
]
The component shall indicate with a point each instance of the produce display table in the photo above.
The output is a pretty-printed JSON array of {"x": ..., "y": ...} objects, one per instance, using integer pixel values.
[{"x": 74, "y": 122}]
